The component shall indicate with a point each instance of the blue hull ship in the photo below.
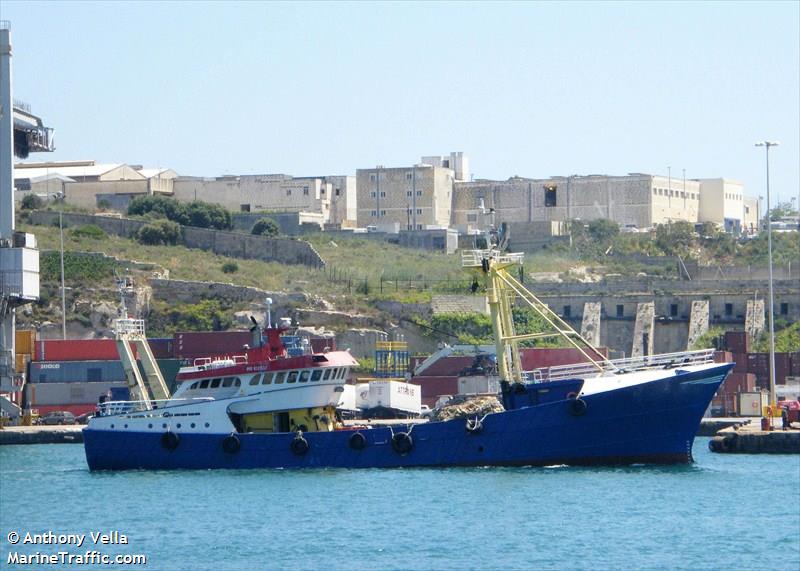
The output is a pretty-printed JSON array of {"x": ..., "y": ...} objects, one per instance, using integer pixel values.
[
  {"x": 654, "y": 421},
  {"x": 275, "y": 405}
]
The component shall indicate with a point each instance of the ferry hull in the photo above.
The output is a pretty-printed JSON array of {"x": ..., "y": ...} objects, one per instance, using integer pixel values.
[{"x": 653, "y": 422}]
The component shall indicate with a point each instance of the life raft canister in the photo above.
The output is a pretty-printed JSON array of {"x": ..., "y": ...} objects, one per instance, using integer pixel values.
[
  {"x": 231, "y": 444},
  {"x": 299, "y": 445},
  {"x": 402, "y": 442},
  {"x": 357, "y": 441},
  {"x": 170, "y": 440}
]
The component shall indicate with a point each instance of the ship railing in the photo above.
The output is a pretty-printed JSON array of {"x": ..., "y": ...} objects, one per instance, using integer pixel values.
[
  {"x": 685, "y": 358},
  {"x": 110, "y": 408},
  {"x": 475, "y": 258},
  {"x": 219, "y": 362},
  {"x": 129, "y": 326}
]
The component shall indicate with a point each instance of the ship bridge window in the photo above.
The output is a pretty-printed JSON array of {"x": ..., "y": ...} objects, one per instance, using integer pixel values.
[
  {"x": 280, "y": 378},
  {"x": 237, "y": 382},
  {"x": 267, "y": 378},
  {"x": 316, "y": 375},
  {"x": 292, "y": 378},
  {"x": 227, "y": 381},
  {"x": 194, "y": 385},
  {"x": 304, "y": 376},
  {"x": 204, "y": 384},
  {"x": 342, "y": 373},
  {"x": 254, "y": 380},
  {"x": 326, "y": 374},
  {"x": 215, "y": 383}
]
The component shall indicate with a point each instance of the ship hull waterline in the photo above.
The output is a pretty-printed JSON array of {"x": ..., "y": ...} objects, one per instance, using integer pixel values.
[{"x": 649, "y": 423}]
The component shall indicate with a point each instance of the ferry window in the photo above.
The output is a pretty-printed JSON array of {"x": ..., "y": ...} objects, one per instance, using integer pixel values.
[
  {"x": 326, "y": 374},
  {"x": 204, "y": 384},
  {"x": 342, "y": 373},
  {"x": 304, "y": 376},
  {"x": 227, "y": 381},
  {"x": 280, "y": 378},
  {"x": 194, "y": 385},
  {"x": 237, "y": 382},
  {"x": 334, "y": 373},
  {"x": 215, "y": 383},
  {"x": 254, "y": 379},
  {"x": 316, "y": 375},
  {"x": 267, "y": 378},
  {"x": 292, "y": 378}
]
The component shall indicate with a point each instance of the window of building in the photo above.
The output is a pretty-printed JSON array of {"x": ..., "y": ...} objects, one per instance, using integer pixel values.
[
  {"x": 419, "y": 210},
  {"x": 373, "y": 194},
  {"x": 408, "y": 176},
  {"x": 419, "y": 226},
  {"x": 383, "y": 213},
  {"x": 419, "y": 193},
  {"x": 728, "y": 309},
  {"x": 673, "y": 310},
  {"x": 288, "y": 192},
  {"x": 305, "y": 191},
  {"x": 408, "y": 193},
  {"x": 322, "y": 190},
  {"x": 655, "y": 191},
  {"x": 446, "y": 163},
  {"x": 550, "y": 195},
  {"x": 372, "y": 176},
  {"x": 23, "y": 184},
  {"x": 620, "y": 310},
  {"x": 383, "y": 194},
  {"x": 244, "y": 208},
  {"x": 567, "y": 311},
  {"x": 784, "y": 309},
  {"x": 373, "y": 212},
  {"x": 337, "y": 191}
]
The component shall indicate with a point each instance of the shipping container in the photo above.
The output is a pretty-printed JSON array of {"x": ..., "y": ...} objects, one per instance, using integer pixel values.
[
  {"x": 347, "y": 400},
  {"x": 76, "y": 409},
  {"x": 795, "y": 364},
  {"x": 78, "y": 350},
  {"x": 161, "y": 348},
  {"x": 21, "y": 363},
  {"x": 723, "y": 357},
  {"x": 737, "y": 341},
  {"x": 24, "y": 341},
  {"x": 740, "y": 362},
  {"x": 194, "y": 344},
  {"x": 319, "y": 344},
  {"x": 475, "y": 385},
  {"x": 396, "y": 395},
  {"x": 750, "y": 404},
  {"x": 67, "y": 393},
  {"x": 75, "y": 371},
  {"x": 540, "y": 357},
  {"x": 435, "y": 386}
]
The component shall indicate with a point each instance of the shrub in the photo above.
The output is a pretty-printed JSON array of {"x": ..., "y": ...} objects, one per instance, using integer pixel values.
[
  {"x": 265, "y": 227},
  {"x": 88, "y": 231},
  {"x": 159, "y": 232},
  {"x": 230, "y": 268},
  {"x": 104, "y": 204},
  {"x": 31, "y": 202},
  {"x": 196, "y": 213}
]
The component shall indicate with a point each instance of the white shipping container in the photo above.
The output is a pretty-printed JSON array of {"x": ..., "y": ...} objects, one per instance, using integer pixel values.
[
  {"x": 347, "y": 401},
  {"x": 362, "y": 396},
  {"x": 750, "y": 404},
  {"x": 477, "y": 385},
  {"x": 45, "y": 394},
  {"x": 396, "y": 395}
]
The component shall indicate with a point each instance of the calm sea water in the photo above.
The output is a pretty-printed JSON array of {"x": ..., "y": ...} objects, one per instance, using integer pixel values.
[{"x": 723, "y": 512}]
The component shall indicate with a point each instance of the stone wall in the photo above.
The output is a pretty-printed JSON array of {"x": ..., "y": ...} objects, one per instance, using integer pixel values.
[{"x": 233, "y": 244}]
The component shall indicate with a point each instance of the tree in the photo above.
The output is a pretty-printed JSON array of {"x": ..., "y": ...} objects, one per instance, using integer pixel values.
[
  {"x": 31, "y": 202},
  {"x": 603, "y": 230},
  {"x": 675, "y": 238},
  {"x": 265, "y": 227},
  {"x": 159, "y": 232}
]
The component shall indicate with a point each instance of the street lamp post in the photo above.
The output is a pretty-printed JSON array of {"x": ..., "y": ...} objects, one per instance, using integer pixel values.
[{"x": 767, "y": 145}]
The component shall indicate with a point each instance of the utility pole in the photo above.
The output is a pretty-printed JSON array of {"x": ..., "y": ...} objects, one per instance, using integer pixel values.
[
  {"x": 63, "y": 289},
  {"x": 414, "y": 194}
]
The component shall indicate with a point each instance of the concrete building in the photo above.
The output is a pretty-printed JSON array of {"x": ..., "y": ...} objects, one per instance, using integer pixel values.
[
  {"x": 750, "y": 215},
  {"x": 722, "y": 202},
  {"x": 413, "y": 198},
  {"x": 633, "y": 200},
  {"x": 458, "y": 162},
  {"x": 86, "y": 183}
]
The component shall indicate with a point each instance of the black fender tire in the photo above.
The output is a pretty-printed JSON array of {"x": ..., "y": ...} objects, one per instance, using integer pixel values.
[
  {"x": 231, "y": 444},
  {"x": 170, "y": 440},
  {"x": 357, "y": 441},
  {"x": 402, "y": 443},
  {"x": 576, "y": 406},
  {"x": 299, "y": 445},
  {"x": 473, "y": 426}
]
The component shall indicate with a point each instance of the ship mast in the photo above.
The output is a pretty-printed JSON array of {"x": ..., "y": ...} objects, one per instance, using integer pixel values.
[{"x": 497, "y": 269}]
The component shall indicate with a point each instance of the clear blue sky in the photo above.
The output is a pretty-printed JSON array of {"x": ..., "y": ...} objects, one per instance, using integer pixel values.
[{"x": 529, "y": 89}]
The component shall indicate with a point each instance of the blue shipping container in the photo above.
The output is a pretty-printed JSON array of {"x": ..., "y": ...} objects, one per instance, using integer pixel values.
[{"x": 76, "y": 371}]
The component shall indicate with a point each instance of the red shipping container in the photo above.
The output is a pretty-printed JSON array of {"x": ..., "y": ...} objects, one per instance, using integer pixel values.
[
  {"x": 161, "y": 347},
  {"x": 436, "y": 386},
  {"x": 76, "y": 409},
  {"x": 78, "y": 350},
  {"x": 737, "y": 341},
  {"x": 190, "y": 345},
  {"x": 723, "y": 357},
  {"x": 740, "y": 362},
  {"x": 536, "y": 358}
]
